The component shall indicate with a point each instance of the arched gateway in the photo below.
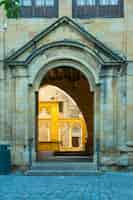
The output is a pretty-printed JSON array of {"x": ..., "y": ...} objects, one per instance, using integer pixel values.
[
  {"x": 66, "y": 45},
  {"x": 75, "y": 84}
]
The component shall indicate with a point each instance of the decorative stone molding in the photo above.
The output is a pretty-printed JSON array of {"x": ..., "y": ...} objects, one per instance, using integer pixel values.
[{"x": 70, "y": 61}]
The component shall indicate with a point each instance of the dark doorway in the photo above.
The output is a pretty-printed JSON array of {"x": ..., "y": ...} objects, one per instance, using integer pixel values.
[{"x": 75, "y": 141}]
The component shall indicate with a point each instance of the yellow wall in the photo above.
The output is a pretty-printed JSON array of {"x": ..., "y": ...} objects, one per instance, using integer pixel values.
[{"x": 56, "y": 121}]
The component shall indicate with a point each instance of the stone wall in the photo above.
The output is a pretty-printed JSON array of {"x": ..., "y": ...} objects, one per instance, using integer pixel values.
[{"x": 116, "y": 33}]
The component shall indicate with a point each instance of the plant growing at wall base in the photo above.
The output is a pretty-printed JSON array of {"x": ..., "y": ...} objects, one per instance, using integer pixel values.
[{"x": 12, "y": 7}]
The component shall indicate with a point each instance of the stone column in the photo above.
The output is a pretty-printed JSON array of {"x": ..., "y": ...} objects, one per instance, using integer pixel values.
[
  {"x": 33, "y": 119},
  {"x": 130, "y": 112},
  {"x": 2, "y": 81},
  {"x": 108, "y": 114},
  {"x": 2, "y": 104},
  {"x": 5, "y": 128},
  {"x": 122, "y": 117},
  {"x": 21, "y": 120},
  {"x": 97, "y": 121},
  {"x": 9, "y": 110}
]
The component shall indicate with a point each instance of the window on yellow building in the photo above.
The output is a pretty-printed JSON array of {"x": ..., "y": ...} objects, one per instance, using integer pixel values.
[
  {"x": 75, "y": 141},
  {"x": 61, "y": 107}
]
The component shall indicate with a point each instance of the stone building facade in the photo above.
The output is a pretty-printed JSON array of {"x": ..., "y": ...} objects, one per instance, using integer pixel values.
[{"x": 100, "y": 48}]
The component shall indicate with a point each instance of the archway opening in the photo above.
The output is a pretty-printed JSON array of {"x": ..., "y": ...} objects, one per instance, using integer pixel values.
[{"x": 65, "y": 114}]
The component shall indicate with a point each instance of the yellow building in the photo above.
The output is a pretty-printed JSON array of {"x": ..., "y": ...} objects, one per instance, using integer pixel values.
[{"x": 59, "y": 130}]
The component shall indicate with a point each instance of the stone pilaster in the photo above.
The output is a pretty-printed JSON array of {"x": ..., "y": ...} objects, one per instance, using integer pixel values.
[
  {"x": 122, "y": 117},
  {"x": 2, "y": 103},
  {"x": 108, "y": 114},
  {"x": 97, "y": 121},
  {"x": 20, "y": 118},
  {"x": 130, "y": 111},
  {"x": 32, "y": 113}
]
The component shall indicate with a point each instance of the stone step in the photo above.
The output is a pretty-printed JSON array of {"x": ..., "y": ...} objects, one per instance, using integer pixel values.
[
  {"x": 62, "y": 169},
  {"x": 71, "y": 153},
  {"x": 57, "y": 163},
  {"x": 66, "y": 158},
  {"x": 62, "y": 173}
]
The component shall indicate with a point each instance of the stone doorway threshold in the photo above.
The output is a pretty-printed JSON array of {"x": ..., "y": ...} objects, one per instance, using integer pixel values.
[
  {"x": 60, "y": 167},
  {"x": 64, "y": 156},
  {"x": 65, "y": 159}
]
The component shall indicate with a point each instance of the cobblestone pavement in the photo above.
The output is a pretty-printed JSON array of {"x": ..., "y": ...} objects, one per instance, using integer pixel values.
[{"x": 109, "y": 186}]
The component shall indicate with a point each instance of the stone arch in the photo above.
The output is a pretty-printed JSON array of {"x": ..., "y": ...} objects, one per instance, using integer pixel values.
[
  {"x": 66, "y": 44},
  {"x": 88, "y": 104},
  {"x": 42, "y": 64},
  {"x": 73, "y": 62}
]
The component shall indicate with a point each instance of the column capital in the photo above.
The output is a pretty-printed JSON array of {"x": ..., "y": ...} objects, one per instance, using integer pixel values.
[
  {"x": 109, "y": 71},
  {"x": 19, "y": 72}
]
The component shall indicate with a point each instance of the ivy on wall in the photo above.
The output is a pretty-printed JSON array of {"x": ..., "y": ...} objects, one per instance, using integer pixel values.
[{"x": 11, "y": 7}]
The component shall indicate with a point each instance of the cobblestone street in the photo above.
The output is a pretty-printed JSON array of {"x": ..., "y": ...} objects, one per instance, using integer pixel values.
[{"x": 109, "y": 186}]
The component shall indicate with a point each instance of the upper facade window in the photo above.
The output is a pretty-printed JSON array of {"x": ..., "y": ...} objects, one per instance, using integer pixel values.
[
  {"x": 85, "y": 2},
  {"x": 25, "y": 2},
  {"x": 97, "y": 8},
  {"x": 39, "y": 8},
  {"x": 45, "y": 3},
  {"x": 109, "y": 2}
]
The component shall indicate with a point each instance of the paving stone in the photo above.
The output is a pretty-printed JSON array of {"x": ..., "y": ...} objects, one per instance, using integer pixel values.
[{"x": 109, "y": 186}]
